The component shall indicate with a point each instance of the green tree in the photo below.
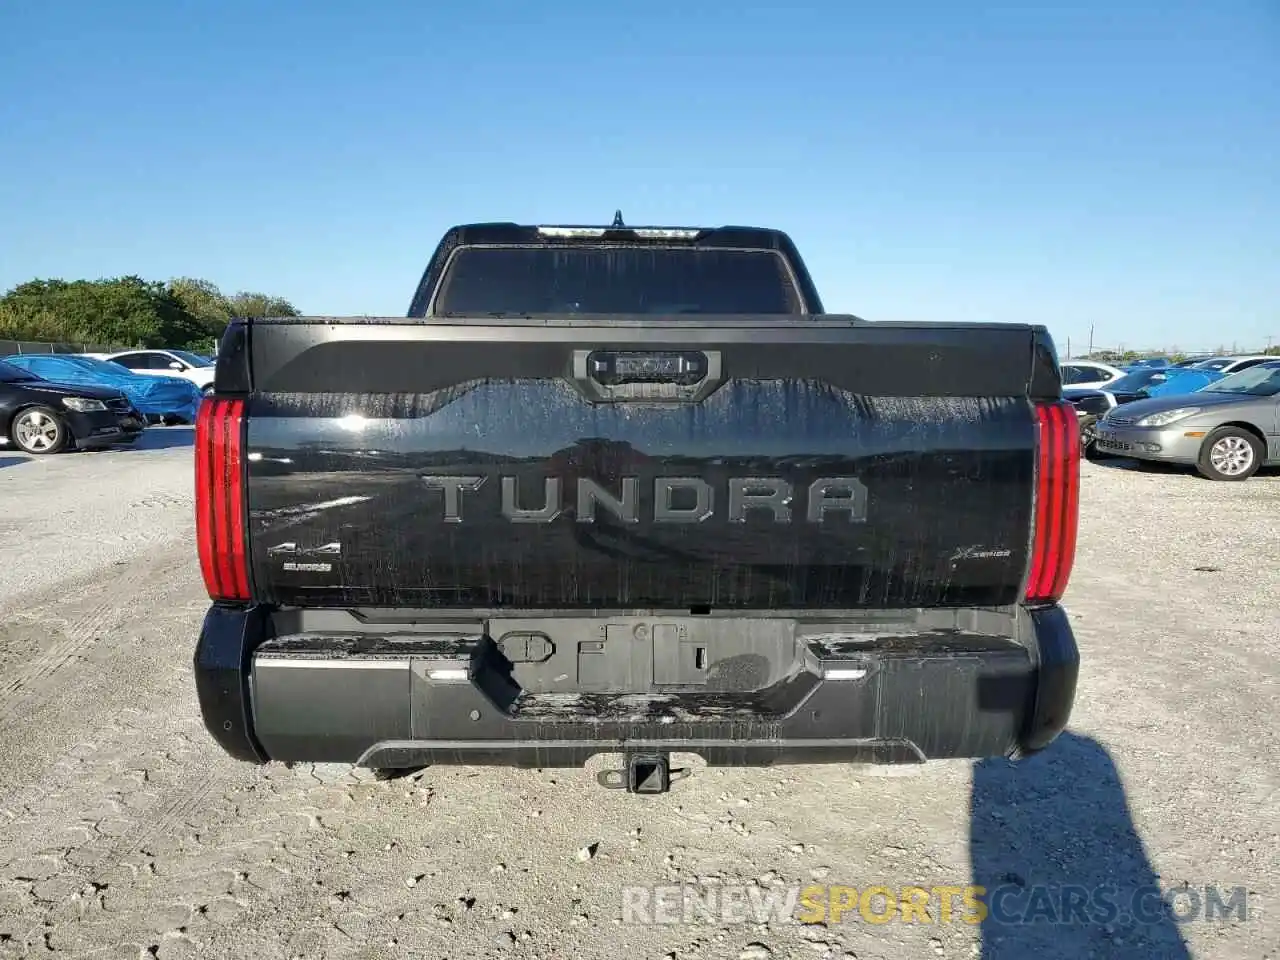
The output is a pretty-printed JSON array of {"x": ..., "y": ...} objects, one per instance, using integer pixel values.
[
  {"x": 202, "y": 300},
  {"x": 256, "y": 305},
  {"x": 31, "y": 323},
  {"x": 128, "y": 311}
]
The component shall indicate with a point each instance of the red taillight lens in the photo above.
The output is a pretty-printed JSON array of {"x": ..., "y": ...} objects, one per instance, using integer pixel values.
[
  {"x": 1057, "y": 506},
  {"x": 220, "y": 501}
]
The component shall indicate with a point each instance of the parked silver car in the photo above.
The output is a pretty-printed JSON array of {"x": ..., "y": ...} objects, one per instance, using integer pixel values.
[{"x": 1227, "y": 430}]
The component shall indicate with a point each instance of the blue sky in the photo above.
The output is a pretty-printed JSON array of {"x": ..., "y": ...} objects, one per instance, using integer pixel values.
[{"x": 1112, "y": 164}]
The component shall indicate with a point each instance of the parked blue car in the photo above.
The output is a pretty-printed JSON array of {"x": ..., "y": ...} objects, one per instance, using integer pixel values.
[
  {"x": 166, "y": 399},
  {"x": 1184, "y": 380}
]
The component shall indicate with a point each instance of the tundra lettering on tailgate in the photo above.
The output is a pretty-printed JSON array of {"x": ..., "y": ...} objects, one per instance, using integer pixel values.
[{"x": 675, "y": 499}]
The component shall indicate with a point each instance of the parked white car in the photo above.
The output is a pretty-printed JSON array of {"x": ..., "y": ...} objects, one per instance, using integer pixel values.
[
  {"x": 1230, "y": 365},
  {"x": 168, "y": 363},
  {"x": 1089, "y": 374}
]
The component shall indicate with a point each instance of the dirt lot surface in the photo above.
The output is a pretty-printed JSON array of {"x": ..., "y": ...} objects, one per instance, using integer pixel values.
[{"x": 124, "y": 832}]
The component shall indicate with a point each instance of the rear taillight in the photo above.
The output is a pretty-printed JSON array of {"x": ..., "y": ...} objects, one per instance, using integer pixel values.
[
  {"x": 1057, "y": 504},
  {"x": 220, "y": 506}
]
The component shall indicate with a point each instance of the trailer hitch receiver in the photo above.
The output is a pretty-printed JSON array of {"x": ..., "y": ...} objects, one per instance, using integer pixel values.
[{"x": 643, "y": 773}]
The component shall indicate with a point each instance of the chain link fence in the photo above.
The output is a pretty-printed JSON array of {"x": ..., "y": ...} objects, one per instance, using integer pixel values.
[{"x": 10, "y": 347}]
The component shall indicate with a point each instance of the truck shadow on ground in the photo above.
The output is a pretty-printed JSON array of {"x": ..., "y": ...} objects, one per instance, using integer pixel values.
[
  {"x": 1053, "y": 843},
  {"x": 6, "y": 461}
]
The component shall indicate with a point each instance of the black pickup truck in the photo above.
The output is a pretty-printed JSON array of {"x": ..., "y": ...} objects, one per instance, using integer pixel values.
[{"x": 630, "y": 491}]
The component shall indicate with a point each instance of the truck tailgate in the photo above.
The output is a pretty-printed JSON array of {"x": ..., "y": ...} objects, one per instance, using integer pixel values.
[{"x": 707, "y": 464}]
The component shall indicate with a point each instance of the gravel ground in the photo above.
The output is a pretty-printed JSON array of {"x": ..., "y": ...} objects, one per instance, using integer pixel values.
[{"x": 125, "y": 833}]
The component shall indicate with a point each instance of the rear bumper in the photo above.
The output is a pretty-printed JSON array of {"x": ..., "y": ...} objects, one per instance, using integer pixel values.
[{"x": 328, "y": 686}]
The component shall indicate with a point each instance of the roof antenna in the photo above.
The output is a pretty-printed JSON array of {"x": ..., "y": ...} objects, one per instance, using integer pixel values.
[{"x": 617, "y": 220}]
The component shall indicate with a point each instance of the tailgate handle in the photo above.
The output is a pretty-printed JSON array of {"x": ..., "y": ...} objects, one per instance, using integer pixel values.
[{"x": 647, "y": 376}]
